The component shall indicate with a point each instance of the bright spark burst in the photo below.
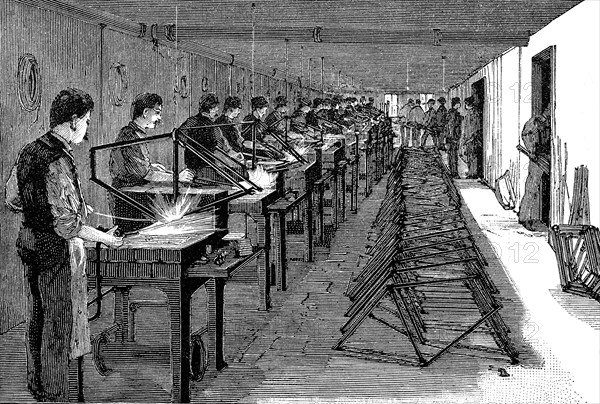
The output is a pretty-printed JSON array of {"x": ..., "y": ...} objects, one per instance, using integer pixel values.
[
  {"x": 167, "y": 211},
  {"x": 262, "y": 177}
]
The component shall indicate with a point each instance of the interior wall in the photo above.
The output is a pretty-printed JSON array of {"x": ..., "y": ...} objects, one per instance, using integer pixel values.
[{"x": 576, "y": 36}]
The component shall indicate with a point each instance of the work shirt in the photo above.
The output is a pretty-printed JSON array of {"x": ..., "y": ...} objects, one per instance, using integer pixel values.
[
  {"x": 298, "y": 122},
  {"x": 231, "y": 133},
  {"x": 404, "y": 112},
  {"x": 257, "y": 123},
  {"x": 130, "y": 166},
  {"x": 416, "y": 116},
  {"x": 210, "y": 138},
  {"x": 441, "y": 118},
  {"x": 54, "y": 210}
]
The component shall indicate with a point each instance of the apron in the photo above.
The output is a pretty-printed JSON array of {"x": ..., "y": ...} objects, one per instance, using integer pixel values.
[{"x": 80, "y": 335}]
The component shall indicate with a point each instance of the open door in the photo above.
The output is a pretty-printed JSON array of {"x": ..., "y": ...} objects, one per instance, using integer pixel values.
[
  {"x": 478, "y": 93},
  {"x": 542, "y": 99}
]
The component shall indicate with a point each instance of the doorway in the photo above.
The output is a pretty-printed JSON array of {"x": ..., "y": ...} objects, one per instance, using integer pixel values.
[
  {"x": 543, "y": 99},
  {"x": 478, "y": 93}
]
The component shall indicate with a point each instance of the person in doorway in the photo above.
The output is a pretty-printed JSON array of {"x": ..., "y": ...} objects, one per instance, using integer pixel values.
[
  {"x": 471, "y": 147},
  {"x": 131, "y": 166},
  {"x": 439, "y": 124},
  {"x": 452, "y": 135},
  {"x": 536, "y": 137},
  {"x": 44, "y": 186}
]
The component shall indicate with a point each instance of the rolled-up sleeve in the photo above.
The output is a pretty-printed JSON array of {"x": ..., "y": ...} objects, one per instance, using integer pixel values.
[{"x": 64, "y": 200}]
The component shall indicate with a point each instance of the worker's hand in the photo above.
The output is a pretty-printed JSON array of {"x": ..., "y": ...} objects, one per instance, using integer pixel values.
[
  {"x": 115, "y": 242},
  {"x": 112, "y": 230},
  {"x": 186, "y": 175}
]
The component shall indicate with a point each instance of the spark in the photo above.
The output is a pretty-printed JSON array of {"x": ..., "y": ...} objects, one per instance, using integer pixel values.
[
  {"x": 262, "y": 177},
  {"x": 167, "y": 211}
]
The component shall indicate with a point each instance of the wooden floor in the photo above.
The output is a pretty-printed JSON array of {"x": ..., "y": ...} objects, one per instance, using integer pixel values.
[{"x": 285, "y": 355}]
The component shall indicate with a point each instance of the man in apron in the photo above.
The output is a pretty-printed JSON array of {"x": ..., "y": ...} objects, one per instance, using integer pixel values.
[{"x": 44, "y": 186}]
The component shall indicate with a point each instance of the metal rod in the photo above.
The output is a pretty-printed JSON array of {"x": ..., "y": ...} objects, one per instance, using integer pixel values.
[
  {"x": 254, "y": 147},
  {"x": 228, "y": 198},
  {"x": 175, "y": 167},
  {"x": 463, "y": 335},
  {"x": 322, "y": 76},
  {"x": 287, "y": 61},
  {"x": 218, "y": 169},
  {"x": 124, "y": 143},
  {"x": 207, "y": 160},
  {"x": 146, "y": 211}
]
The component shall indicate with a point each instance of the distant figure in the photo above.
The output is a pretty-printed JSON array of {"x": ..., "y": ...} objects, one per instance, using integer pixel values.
[
  {"x": 298, "y": 122},
  {"x": 312, "y": 119},
  {"x": 231, "y": 110},
  {"x": 439, "y": 124},
  {"x": 200, "y": 130},
  {"x": 44, "y": 186},
  {"x": 264, "y": 148},
  {"x": 276, "y": 122},
  {"x": 452, "y": 135},
  {"x": 536, "y": 137},
  {"x": 429, "y": 123},
  {"x": 471, "y": 148},
  {"x": 416, "y": 119},
  {"x": 403, "y": 117}
]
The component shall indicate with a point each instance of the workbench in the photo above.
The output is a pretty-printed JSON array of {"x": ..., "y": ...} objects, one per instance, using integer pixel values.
[{"x": 169, "y": 264}]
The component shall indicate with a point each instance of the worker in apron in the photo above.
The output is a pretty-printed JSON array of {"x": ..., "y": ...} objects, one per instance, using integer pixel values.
[{"x": 44, "y": 186}]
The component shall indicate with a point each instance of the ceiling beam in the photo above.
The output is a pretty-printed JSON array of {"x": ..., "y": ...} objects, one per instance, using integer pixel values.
[{"x": 355, "y": 35}]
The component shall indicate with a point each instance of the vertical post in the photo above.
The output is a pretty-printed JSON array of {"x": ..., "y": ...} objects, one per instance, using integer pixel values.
[
  {"x": 309, "y": 76},
  {"x": 339, "y": 80},
  {"x": 252, "y": 73},
  {"x": 287, "y": 62},
  {"x": 322, "y": 77},
  {"x": 301, "y": 69},
  {"x": 175, "y": 166},
  {"x": 253, "y": 146}
]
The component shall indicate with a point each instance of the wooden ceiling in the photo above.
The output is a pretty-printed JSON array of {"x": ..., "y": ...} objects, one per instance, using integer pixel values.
[{"x": 371, "y": 42}]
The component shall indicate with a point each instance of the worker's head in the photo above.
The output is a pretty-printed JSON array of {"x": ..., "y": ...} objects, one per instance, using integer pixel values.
[
  {"x": 469, "y": 102},
  {"x": 281, "y": 104},
  {"x": 455, "y": 102},
  {"x": 72, "y": 108},
  {"x": 259, "y": 106},
  {"x": 317, "y": 104},
  {"x": 441, "y": 100},
  {"x": 209, "y": 105},
  {"x": 326, "y": 103},
  {"x": 303, "y": 104},
  {"x": 411, "y": 101},
  {"x": 417, "y": 102},
  {"x": 146, "y": 110},
  {"x": 232, "y": 107}
]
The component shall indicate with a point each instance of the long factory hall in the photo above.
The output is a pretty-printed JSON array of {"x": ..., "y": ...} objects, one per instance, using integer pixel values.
[
  {"x": 238, "y": 201},
  {"x": 285, "y": 355}
]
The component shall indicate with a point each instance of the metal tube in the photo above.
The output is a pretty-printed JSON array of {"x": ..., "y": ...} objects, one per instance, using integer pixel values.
[
  {"x": 146, "y": 211},
  {"x": 123, "y": 143},
  {"x": 175, "y": 167},
  {"x": 254, "y": 147}
]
